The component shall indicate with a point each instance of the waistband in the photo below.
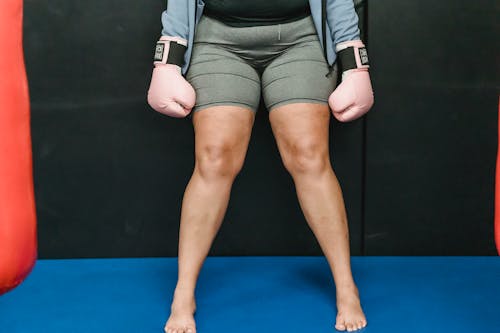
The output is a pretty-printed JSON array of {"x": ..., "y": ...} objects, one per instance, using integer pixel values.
[
  {"x": 247, "y": 22},
  {"x": 211, "y": 30}
]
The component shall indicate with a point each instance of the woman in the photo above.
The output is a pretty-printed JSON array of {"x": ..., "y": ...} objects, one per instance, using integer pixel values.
[{"x": 229, "y": 51}]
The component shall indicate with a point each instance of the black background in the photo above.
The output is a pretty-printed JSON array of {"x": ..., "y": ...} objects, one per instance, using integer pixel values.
[{"x": 417, "y": 172}]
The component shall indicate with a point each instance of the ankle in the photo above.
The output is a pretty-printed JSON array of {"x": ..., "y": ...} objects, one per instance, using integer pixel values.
[
  {"x": 185, "y": 287},
  {"x": 184, "y": 292},
  {"x": 346, "y": 288},
  {"x": 183, "y": 304}
]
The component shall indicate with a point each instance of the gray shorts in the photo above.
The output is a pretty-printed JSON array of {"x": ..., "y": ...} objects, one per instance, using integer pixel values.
[{"x": 230, "y": 65}]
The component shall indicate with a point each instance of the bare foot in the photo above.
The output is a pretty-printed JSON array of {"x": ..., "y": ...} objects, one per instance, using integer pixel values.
[
  {"x": 182, "y": 311},
  {"x": 350, "y": 316}
]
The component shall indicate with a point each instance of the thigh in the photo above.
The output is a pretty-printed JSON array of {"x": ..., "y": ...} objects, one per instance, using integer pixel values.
[
  {"x": 298, "y": 75},
  {"x": 301, "y": 130},
  {"x": 222, "y": 133}
]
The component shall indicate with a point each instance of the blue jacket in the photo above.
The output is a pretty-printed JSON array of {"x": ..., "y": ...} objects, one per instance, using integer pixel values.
[{"x": 181, "y": 17}]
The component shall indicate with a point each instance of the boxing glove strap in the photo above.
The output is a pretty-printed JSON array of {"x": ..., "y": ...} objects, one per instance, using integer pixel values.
[
  {"x": 353, "y": 57},
  {"x": 175, "y": 54}
]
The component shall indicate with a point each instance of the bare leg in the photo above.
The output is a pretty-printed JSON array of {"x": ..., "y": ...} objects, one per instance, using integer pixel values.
[
  {"x": 222, "y": 134},
  {"x": 301, "y": 132}
]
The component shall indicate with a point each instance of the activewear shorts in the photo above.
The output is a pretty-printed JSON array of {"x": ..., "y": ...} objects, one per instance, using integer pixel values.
[{"x": 232, "y": 65}]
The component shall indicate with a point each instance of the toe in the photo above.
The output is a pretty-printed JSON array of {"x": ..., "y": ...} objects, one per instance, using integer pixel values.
[
  {"x": 190, "y": 330},
  {"x": 340, "y": 326},
  {"x": 349, "y": 327}
]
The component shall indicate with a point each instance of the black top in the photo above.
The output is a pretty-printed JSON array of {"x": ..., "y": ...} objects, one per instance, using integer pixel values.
[{"x": 244, "y": 13}]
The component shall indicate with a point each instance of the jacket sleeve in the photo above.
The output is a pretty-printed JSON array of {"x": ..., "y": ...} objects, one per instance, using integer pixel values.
[
  {"x": 175, "y": 19},
  {"x": 342, "y": 20}
]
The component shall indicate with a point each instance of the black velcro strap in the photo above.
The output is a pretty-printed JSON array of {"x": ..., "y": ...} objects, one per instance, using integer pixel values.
[
  {"x": 175, "y": 54},
  {"x": 347, "y": 59}
]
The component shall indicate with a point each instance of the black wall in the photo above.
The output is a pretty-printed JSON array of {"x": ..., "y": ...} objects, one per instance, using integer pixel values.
[
  {"x": 416, "y": 172},
  {"x": 431, "y": 139}
]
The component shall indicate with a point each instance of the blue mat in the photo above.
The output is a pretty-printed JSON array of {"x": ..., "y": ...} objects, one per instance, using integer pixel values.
[{"x": 256, "y": 294}]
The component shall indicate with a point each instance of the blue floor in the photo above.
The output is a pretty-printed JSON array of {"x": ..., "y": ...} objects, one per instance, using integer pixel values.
[{"x": 256, "y": 294}]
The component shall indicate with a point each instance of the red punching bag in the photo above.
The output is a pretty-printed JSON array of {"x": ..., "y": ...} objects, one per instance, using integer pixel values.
[
  {"x": 497, "y": 188},
  {"x": 18, "y": 245}
]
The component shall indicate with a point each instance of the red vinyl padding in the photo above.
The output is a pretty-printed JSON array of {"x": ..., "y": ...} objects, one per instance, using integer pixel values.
[{"x": 18, "y": 242}]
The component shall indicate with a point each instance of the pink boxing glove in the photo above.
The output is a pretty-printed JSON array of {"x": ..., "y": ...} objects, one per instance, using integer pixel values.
[
  {"x": 169, "y": 92},
  {"x": 354, "y": 96}
]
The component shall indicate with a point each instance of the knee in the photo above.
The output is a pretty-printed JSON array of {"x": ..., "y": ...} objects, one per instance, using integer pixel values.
[
  {"x": 218, "y": 161},
  {"x": 306, "y": 157}
]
